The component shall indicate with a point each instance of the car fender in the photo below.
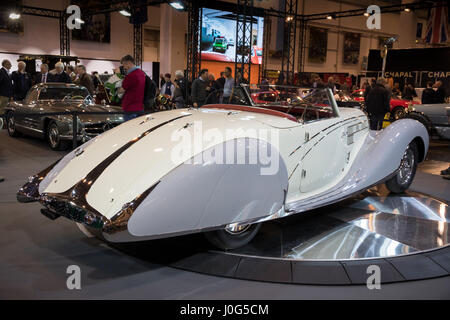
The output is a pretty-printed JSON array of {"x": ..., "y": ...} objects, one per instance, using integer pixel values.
[
  {"x": 199, "y": 196},
  {"x": 382, "y": 153},
  {"x": 377, "y": 160}
]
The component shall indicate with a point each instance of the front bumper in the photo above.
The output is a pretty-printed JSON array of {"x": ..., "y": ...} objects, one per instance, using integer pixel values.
[{"x": 73, "y": 205}]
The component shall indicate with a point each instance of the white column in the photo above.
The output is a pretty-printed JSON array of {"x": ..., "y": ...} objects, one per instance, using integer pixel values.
[
  {"x": 165, "y": 32},
  {"x": 173, "y": 27}
]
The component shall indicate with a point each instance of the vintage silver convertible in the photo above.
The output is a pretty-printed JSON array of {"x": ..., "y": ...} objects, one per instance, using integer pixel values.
[
  {"x": 180, "y": 171},
  {"x": 24, "y": 117}
]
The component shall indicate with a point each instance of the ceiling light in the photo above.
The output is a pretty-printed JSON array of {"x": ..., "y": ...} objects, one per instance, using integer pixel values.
[
  {"x": 330, "y": 17},
  {"x": 289, "y": 18},
  {"x": 14, "y": 15},
  {"x": 125, "y": 13},
  {"x": 366, "y": 14},
  {"x": 79, "y": 20},
  {"x": 407, "y": 9},
  {"x": 177, "y": 5}
]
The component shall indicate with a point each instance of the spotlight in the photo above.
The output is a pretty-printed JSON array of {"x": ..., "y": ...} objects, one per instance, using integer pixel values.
[
  {"x": 79, "y": 20},
  {"x": 366, "y": 14},
  {"x": 330, "y": 17},
  {"x": 177, "y": 5},
  {"x": 14, "y": 15},
  {"x": 407, "y": 9},
  {"x": 289, "y": 18},
  {"x": 125, "y": 13}
]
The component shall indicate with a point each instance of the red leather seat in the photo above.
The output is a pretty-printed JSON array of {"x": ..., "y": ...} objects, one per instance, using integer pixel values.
[{"x": 251, "y": 109}]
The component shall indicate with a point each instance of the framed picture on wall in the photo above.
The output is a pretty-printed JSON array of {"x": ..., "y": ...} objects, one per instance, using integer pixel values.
[
  {"x": 318, "y": 44},
  {"x": 352, "y": 43}
]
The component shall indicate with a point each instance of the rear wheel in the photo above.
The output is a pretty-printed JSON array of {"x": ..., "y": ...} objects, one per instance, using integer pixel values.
[
  {"x": 54, "y": 138},
  {"x": 406, "y": 172},
  {"x": 232, "y": 238}
]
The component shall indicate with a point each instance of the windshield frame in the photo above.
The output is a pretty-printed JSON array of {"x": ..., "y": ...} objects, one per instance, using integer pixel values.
[
  {"x": 270, "y": 87},
  {"x": 62, "y": 99}
]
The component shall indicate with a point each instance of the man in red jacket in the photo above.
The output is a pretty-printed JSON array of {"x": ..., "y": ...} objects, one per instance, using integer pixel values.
[{"x": 133, "y": 87}]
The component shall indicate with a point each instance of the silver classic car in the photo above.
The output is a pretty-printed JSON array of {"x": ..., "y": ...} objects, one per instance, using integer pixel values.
[
  {"x": 434, "y": 116},
  {"x": 31, "y": 117}
]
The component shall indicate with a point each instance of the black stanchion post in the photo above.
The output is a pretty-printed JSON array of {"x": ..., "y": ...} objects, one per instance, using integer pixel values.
[{"x": 75, "y": 130}]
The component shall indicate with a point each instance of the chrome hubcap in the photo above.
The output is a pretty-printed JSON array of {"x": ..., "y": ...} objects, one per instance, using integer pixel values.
[
  {"x": 54, "y": 136},
  {"x": 405, "y": 170},
  {"x": 11, "y": 125},
  {"x": 235, "y": 228}
]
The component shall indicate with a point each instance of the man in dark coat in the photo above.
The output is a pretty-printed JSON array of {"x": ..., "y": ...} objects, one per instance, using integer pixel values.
[
  {"x": 60, "y": 75},
  {"x": 43, "y": 76},
  {"x": 21, "y": 81},
  {"x": 377, "y": 104},
  {"x": 85, "y": 79},
  {"x": 428, "y": 94},
  {"x": 440, "y": 94},
  {"x": 6, "y": 85},
  {"x": 200, "y": 89},
  {"x": 6, "y": 90}
]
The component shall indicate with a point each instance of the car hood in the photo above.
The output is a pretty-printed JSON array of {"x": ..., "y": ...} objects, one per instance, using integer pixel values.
[
  {"x": 132, "y": 157},
  {"x": 81, "y": 108}
]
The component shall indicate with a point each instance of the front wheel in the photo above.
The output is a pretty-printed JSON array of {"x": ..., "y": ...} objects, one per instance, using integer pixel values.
[
  {"x": 54, "y": 138},
  {"x": 11, "y": 125},
  {"x": 406, "y": 172},
  {"x": 398, "y": 112},
  {"x": 232, "y": 238}
]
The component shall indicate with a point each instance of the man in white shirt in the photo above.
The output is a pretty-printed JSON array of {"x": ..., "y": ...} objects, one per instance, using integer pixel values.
[
  {"x": 228, "y": 86},
  {"x": 43, "y": 76}
]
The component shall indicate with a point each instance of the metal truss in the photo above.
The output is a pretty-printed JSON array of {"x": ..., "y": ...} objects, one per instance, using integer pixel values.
[
  {"x": 138, "y": 43},
  {"x": 194, "y": 40},
  {"x": 244, "y": 34},
  {"x": 289, "y": 41},
  {"x": 40, "y": 12},
  {"x": 384, "y": 9},
  {"x": 64, "y": 35},
  {"x": 302, "y": 45}
]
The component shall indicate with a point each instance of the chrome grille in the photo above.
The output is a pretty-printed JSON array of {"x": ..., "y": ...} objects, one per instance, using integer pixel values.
[{"x": 94, "y": 129}]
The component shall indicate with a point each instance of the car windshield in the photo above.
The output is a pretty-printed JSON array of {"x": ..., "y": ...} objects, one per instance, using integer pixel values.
[
  {"x": 61, "y": 93},
  {"x": 304, "y": 103},
  {"x": 219, "y": 41}
]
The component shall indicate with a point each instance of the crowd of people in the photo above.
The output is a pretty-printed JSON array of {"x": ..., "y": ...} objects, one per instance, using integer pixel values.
[
  {"x": 137, "y": 92},
  {"x": 14, "y": 85}
]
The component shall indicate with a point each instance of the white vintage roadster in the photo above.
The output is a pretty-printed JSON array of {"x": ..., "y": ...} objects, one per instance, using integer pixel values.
[{"x": 195, "y": 170}]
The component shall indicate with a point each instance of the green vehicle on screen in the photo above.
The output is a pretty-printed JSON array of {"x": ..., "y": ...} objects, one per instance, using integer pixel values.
[{"x": 220, "y": 45}]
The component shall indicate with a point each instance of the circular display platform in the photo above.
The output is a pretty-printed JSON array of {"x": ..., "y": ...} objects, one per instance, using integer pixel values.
[{"x": 407, "y": 236}]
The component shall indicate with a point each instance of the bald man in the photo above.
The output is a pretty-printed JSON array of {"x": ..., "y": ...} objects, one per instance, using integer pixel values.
[{"x": 21, "y": 81}]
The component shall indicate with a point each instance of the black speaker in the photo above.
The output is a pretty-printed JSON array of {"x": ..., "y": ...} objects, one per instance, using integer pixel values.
[{"x": 138, "y": 11}]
